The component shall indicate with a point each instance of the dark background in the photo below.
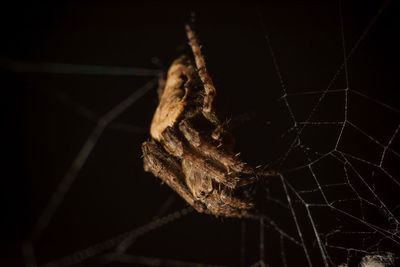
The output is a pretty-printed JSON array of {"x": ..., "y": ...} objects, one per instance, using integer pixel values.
[{"x": 112, "y": 193}]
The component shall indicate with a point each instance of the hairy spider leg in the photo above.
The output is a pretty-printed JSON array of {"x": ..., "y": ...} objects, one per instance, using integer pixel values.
[
  {"x": 232, "y": 201},
  {"x": 177, "y": 146},
  {"x": 208, "y": 111},
  {"x": 208, "y": 147},
  {"x": 169, "y": 171},
  {"x": 209, "y": 88},
  {"x": 227, "y": 207},
  {"x": 232, "y": 163}
]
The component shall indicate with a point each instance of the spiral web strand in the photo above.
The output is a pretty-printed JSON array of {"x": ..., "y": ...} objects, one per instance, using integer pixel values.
[{"x": 316, "y": 241}]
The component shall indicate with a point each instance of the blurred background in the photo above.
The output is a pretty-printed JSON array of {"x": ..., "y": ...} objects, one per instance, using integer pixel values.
[{"x": 65, "y": 63}]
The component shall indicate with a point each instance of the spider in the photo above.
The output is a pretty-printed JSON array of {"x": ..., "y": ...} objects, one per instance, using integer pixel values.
[{"x": 190, "y": 149}]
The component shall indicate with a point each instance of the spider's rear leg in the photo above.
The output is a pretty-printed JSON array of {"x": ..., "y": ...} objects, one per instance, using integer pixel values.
[
  {"x": 208, "y": 109},
  {"x": 168, "y": 170}
]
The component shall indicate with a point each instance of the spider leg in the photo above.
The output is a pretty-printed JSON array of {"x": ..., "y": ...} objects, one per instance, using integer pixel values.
[
  {"x": 232, "y": 201},
  {"x": 168, "y": 170},
  {"x": 218, "y": 207},
  {"x": 209, "y": 88},
  {"x": 231, "y": 162},
  {"x": 209, "y": 148},
  {"x": 177, "y": 146}
]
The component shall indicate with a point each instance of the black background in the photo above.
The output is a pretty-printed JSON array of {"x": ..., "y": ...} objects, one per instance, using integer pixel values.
[{"x": 112, "y": 193}]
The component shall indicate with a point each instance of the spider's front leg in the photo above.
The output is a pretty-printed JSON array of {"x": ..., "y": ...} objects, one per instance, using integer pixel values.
[
  {"x": 176, "y": 145},
  {"x": 231, "y": 207},
  {"x": 225, "y": 155},
  {"x": 210, "y": 148},
  {"x": 169, "y": 170}
]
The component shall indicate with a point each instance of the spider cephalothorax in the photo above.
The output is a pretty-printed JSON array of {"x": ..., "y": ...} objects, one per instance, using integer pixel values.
[{"x": 191, "y": 150}]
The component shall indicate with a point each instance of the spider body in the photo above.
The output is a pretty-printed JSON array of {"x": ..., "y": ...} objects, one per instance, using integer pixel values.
[{"x": 191, "y": 150}]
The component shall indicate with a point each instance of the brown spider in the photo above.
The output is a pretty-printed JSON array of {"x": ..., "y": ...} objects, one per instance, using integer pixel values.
[{"x": 191, "y": 150}]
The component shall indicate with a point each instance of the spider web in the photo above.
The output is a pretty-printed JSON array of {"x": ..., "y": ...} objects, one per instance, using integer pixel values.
[{"x": 334, "y": 203}]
